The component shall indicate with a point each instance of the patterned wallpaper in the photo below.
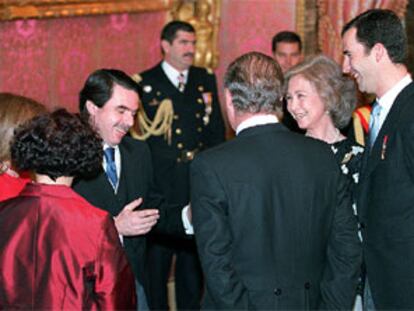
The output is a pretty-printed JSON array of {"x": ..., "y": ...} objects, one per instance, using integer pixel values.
[{"x": 49, "y": 59}]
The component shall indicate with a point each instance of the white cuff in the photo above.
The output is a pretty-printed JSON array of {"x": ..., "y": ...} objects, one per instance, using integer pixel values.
[{"x": 188, "y": 227}]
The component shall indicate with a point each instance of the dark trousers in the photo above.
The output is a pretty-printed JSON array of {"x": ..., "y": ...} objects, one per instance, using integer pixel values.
[{"x": 188, "y": 274}]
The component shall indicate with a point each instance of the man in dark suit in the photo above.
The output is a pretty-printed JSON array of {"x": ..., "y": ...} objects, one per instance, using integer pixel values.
[
  {"x": 273, "y": 221},
  {"x": 375, "y": 49},
  {"x": 124, "y": 187},
  {"x": 196, "y": 124}
]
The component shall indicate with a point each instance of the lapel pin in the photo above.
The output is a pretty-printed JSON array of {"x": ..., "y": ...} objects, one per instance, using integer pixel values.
[
  {"x": 384, "y": 147},
  {"x": 147, "y": 88}
]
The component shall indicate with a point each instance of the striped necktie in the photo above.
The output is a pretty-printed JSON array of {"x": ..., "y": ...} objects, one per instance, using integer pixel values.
[
  {"x": 181, "y": 82},
  {"x": 110, "y": 166},
  {"x": 374, "y": 123}
]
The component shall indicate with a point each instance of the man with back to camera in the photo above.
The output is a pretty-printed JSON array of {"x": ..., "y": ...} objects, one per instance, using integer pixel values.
[
  {"x": 287, "y": 51},
  {"x": 375, "y": 49},
  {"x": 109, "y": 100},
  {"x": 272, "y": 215},
  {"x": 197, "y": 124}
]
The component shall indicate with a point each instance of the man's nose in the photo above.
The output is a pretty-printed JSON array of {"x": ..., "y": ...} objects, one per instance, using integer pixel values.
[
  {"x": 129, "y": 119},
  {"x": 288, "y": 62},
  {"x": 346, "y": 68},
  {"x": 191, "y": 48}
]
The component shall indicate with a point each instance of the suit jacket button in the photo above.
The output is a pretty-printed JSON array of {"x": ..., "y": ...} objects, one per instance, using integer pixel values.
[
  {"x": 307, "y": 285},
  {"x": 277, "y": 291}
]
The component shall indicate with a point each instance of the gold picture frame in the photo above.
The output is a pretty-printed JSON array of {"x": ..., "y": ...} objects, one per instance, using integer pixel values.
[{"x": 23, "y": 9}]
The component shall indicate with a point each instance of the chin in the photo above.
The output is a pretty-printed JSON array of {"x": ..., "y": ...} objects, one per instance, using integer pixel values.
[{"x": 303, "y": 126}]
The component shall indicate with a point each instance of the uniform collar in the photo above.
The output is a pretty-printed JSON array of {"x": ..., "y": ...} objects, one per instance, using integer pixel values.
[{"x": 173, "y": 73}]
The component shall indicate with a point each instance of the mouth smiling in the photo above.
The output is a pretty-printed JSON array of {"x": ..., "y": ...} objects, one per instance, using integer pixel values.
[
  {"x": 299, "y": 116},
  {"x": 122, "y": 130}
]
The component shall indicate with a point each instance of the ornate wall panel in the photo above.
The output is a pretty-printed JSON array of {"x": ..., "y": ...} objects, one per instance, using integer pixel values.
[
  {"x": 18, "y": 9},
  {"x": 49, "y": 59}
]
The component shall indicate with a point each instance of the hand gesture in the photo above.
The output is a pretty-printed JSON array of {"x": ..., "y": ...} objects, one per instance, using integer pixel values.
[{"x": 130, "y": 222}]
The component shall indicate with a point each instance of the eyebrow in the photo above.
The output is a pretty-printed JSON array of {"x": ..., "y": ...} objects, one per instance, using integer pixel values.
[
  {"x": 126, "y": 108},
  {"x": 186, "y": 40}
]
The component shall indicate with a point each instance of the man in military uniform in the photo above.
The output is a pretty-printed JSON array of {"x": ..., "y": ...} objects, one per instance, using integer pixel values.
[{"x": 182, "y": 117}]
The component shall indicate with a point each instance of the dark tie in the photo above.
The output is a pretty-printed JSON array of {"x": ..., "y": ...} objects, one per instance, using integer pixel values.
[
  {"x": 181, "y": 82},
  {"x": 110, "y": 166},
  {"x": 374, "y": 121}
]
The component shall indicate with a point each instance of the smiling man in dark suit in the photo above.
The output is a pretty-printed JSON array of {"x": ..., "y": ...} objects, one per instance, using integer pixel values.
[
  {"x": 124, "y": 187},
  {"x": 196, "y": 124},
  {"x": 273, "y": 221},
  {"x": 375, "y": 49}
]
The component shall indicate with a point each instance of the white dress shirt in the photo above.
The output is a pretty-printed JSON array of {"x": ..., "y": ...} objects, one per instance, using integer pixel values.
[
  {"x": 173, "y": 73},
  {"x": 261, "y": 119}
]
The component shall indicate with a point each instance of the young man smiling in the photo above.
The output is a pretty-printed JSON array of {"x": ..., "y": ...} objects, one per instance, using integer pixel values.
[{"x": 375, "y": 49}]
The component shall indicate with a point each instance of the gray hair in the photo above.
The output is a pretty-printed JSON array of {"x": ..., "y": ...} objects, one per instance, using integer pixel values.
[
  {"x": 337, "y": 91},
  {"x": 255, "y": 81}
]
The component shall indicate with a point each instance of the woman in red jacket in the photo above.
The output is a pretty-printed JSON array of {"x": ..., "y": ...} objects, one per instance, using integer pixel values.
[{"x": 57, "y": 251}]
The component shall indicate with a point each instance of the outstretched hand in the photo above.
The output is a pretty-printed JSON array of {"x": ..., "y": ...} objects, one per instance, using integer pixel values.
[{"x": 130, "y": 222}]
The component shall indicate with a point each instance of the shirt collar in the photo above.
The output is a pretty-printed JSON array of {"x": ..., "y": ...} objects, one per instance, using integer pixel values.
[
  {"x": 256, "y": 120},
  {"x": 173, "y": 73},
  {"x": 389, "y": 97},
  {"x": 105, "y": 145}
]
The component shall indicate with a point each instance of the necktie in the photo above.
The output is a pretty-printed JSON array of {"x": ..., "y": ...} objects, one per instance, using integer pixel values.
[
  {"x": 110, "y": 166},
  {"x": 181, "y": 82},
  {"x": 374, "y": 121}
]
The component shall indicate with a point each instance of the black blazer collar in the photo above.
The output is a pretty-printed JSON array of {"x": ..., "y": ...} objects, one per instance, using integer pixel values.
[
  {"x": 373, "y": 156},
  {"x": 260, "y": 129}
]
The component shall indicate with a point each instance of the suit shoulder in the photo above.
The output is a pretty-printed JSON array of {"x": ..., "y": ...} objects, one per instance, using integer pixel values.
[
  {"x": 202, "y": 71},
  {"x": 151, "y": 72},
  {"x": 134, "y": 145}
]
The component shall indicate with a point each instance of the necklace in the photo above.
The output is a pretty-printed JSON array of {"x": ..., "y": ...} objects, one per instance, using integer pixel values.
[{"x": 328, "y": 141}]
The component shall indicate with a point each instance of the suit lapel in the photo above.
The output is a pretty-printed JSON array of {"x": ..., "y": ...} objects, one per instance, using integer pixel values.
[
  {"x": 165, "y": 84},
  {"x": 190, "y": 81},
  {"x": 126, "y": 163},
  {"x": 372, "y": 159}
]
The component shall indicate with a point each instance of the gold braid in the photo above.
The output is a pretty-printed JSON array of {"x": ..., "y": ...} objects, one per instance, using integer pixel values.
[{"x": 161, "y": 125}]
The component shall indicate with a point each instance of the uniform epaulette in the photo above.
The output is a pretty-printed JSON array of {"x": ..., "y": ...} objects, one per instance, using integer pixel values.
[{"x": 136, "y": 77}]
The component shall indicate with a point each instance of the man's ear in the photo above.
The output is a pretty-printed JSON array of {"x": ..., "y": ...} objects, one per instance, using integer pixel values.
[
  {"x": 91, "y": 107},
  {"x": 230, "y": 111},
  {"x": 228, "y": 100},
  {"x": 380, "y": 51},
  {"x": 165, "y": 45}
]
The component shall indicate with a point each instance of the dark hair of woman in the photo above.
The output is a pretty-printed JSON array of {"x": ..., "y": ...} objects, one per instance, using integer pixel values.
[{"x": 57, "y": 144}]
